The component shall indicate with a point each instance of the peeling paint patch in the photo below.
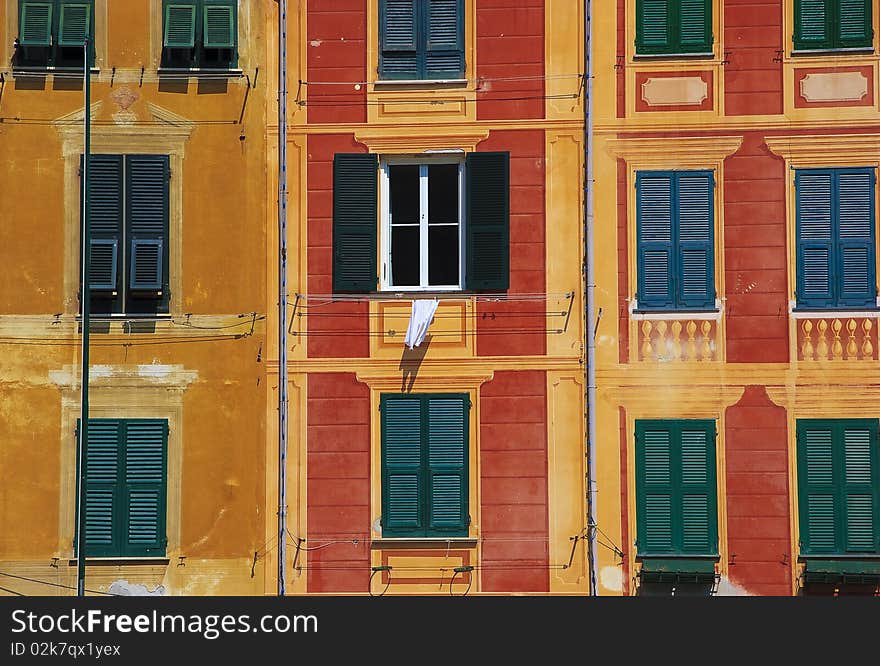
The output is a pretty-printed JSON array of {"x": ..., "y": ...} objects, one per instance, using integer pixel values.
[
  {"x": 315, "y": 42},
  {"x": 611, "y": 578},
  {"x": 726, "y": 588},
  {"x": 125, "y": 589}
]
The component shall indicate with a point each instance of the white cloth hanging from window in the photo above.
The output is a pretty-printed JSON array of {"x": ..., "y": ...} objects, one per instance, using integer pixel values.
[{"x": 420, "y": 318}]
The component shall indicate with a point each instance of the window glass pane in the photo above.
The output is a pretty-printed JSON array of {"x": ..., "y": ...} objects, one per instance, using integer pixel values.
[
  {"x": 442, "y": 193},
  {"x": 404, "y": 181},
  {"x": 443, "y": 207},
  {"x": 405, "y": 258},
  {"x": 443, "y": 255}
]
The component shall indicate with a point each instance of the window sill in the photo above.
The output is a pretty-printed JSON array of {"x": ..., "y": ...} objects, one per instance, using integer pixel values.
[
  {"x": 200, "y": 72},
  {"x": 709, "y": 55},
  {"x": 49, "y": 71},
  {"x": 422, "y": 542},
  {"x": 860, "y": 50},
  {"x": 656, "y": 315},
  {"x": 119, "y": 561},
  {"x": 419, "y": 83}
]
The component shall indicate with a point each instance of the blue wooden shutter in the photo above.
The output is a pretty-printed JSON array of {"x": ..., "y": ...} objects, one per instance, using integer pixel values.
[
  {"x": 180, "y": 26},
  {"x": 695, "y": 259},
  {"x": 35, "y": 24},
  {"x": 398, "y": 45},
  {"x": 403, "y": 473},
  {"x": 817, "y": 488},
  {"x": 815, "y": 235},
  {"x": 698, "y": 499},
  {"x": 355, "y": 222},
  {"x": 695, "y": 26},
  {"x": 444, "y": 52},
  {"x": 855, "y": 258},
  {"x": 813, "y": 24},
  {"x": 145, "y": 481},
  {"x": 147, "y": 207},
  {"x": 655, "y": 488},
  {"x": 861, "y": 485},
  {"x": 855, "y": 25},
  {"x": 487, "y": 227},
  {"x": 655, "y": 241},
  {"x": 447, "y": 451},
  {"x": 104, "y": 499},
  {"x": 105, "y": 212},
  {"x": 74, "y": 24}
]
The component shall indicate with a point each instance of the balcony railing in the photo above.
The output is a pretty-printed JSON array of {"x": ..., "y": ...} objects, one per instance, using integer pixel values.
[{"x": 842, "y": 337}]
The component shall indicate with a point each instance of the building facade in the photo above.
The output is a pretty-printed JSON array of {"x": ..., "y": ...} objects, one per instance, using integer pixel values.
[
  {"x": 735, "y": 154},
  {"x": 174, "y": 464},
  {"x": 435, "y": 154}
]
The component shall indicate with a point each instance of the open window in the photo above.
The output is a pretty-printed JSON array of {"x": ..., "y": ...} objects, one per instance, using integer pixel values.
[
  {"x": 200, "y": 34},
  {"x": 52, "y": 33}
]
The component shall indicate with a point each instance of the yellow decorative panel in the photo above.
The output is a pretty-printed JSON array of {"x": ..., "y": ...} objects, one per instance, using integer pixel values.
[{"x": 449, "y": 334}]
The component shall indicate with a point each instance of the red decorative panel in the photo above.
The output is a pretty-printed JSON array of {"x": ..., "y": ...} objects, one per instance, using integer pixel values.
[
  {"x": 643, "y": 94},
  {"x": 833, "y": 87}
]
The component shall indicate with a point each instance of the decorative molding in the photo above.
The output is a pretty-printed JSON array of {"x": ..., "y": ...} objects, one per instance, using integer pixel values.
[
  {"x": 826, "y": 149},
  {"x": 675, "y": 401},
  {"x": 118, "y": 376},
  {"x": 675, "y": 91},
  {"x": 834, "y": 87},
  {"x": 674, "y": 151},
  {"x": 816, "y": 401},
  {"x": 383, "y": 380},
  {"x": 430, "y": 366},
  {"x": 393, "y": 141}
]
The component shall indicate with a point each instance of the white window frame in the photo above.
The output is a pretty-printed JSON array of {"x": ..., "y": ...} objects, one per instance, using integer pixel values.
[{"x": 385, "y": 226}]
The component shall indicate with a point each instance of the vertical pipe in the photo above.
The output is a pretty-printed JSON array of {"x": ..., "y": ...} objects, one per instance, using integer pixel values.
[
  {"x": 84, "y": 299},
  {"x": 282, "y": 296},
  {"x": 591, "y": 297}
]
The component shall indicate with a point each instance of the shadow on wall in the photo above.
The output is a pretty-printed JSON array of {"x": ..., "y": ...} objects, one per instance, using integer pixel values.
[{"x": 410, "y": 362}]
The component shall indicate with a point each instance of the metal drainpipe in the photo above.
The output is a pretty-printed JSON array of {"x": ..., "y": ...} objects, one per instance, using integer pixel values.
[{"x": 591, "y": 299}]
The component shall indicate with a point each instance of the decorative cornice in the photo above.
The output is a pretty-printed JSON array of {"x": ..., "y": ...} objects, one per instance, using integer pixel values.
[
  {"x": 817, "y": 401},
  {"x": 674, "y": 151},
  {"x": 826, "y": 149},
  {"x": 118, "y": 376},
  {"x": 391, "y": 140},
  {"x": 408, "y": 380},
  {"x": 689, "y": 400},
  {"x": 464, "y": 366}
]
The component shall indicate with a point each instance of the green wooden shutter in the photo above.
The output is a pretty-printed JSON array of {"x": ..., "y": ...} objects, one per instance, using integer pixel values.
[
  {"x": 444, "y": 52},
  {"x": 35, "y": 24},
  {"x": 860, "y": 477},
  {"x": 219, "y": 26},
  {"x": 699, "y": 525},
  {"x": 655, "y": 239},
  {"x": 403, "y": 473},
  {"x": 447, "y": 452},
  {"x": 147, "y": 212},
  {"x": 855, "y": 257},
  {"x": 695, "y": 259},
  {"x": 655, "y": 487},
  {"x": 180, "y": 26},
  {"x": 817, "y": 488},
  {"x": 103, "y": 493},
  {"x": 813, "y": 24},
  {"x": 653, "y": 27},
  {"x": 145, "y": 481},
  {"x": 105, "y": 212},
  {"x": 815, "y": 233},
  {"x": 355, "y": 222},
  {"x": 74, "y": 24},
  {"x": 695, "y": 26},
  {"x": 854, "y": 21},
  {"x": 398, "y": 56},
  {"x": 487, "y": 227}
]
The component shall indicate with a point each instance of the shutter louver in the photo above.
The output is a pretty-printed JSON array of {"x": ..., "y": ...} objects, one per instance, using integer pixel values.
[
  {"x": 355, "y": 222},
  {"x": 697, "y": 450},
  {"x": 654, "y": 480},
  {"x": 219, "y": 27},
  {"x": 447, "y": 464},
  {"x": 398, "y": 40},
  {"x": 105, "y": 214},
  {"x": 654, "y": 219},
  {"x": 695, "y": 26},
  {"x": 855, "y": 24},
  {"x": 856, "y": 260},
  {"x": 859, "y": 475},
  {"x": 74, "y": 24},
  {"x": 444, "y": 56},
  {"x": 402, "y": 470},
  {"x": 180, "y": 26},
  {"x": 145, "y": 486},
  {"x": 653, "y": 34},
  {"x": 103, "y": 264},
  {"x": 35, "y": 24},
  {"x": 696, "y": 284},
  {"x": 102, "y": 488},
  {"x": 488, "y": 221},
  {"x": 147, "y": 205},
  {"x": 815, "y": 232},
  {"x": 812, "y": 24}
]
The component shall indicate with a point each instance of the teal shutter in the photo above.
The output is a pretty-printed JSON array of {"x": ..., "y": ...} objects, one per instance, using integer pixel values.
[
  {"x": 815, "y": 233},
  {"x": 105, "y": 208},
  {"x": 695, "y": 225},
  {"x": 653, "y": 27},
  {"x": 219, "y": 31},
  {"x": 695, "y": 26},
  {"x": 447, "y": 419},
  {"x": 403, "y": 474},
  {"x": 35, "y": 24},
  {"x": 487, "y": 194},
  {"x": 74, "y": 24},
  {"x": 355, "y": 222},
  {"x": 855, "y": 27},
  {"x": 444, "y": 53},
  {"x": 856, "y": 283},
  {"x": 676, "y": 507},
  {"x": 144, "y": 487},
  {"x": 813, "y": 24},
  {"x": 860, "y": 450},
  {"x": 147, "y": 206},
  {"x": 398, "y": 56},
  {"x": 655, "y": 240},
  {"x": 180, "y": 26},
  {"x": 103, "y": 493}
]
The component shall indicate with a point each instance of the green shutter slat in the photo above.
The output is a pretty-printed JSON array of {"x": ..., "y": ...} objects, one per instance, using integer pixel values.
[
  {"x": 815, "y": 235},
  {"x": 402, "y": 470},
  {"x": 444, "y": 55},
  {"x": 656, "y": 247},
  {"x": 398, "y": 57},
  {"x": 103, "y": 264},
  {"x": 35, "y": 24},
  {"x": 855, "y": 24},
  {"x": 447, "y": 419},
  {"x": 821, "y": 523},
  {"x": 654, "y": 487},
  {"x": 74, "y": 24},
  {"x": 218, "y": 27},
  {"x": 355, "y": 222},
  {"x": 105, "y": 214},
  {"x": 697, "y": 465},
  {"x": 146, "y": 444},
  {"x": 855, "y": 224},
  {"x": 696, "y": 230},
  {"x": 102, "y": 467},
  {"x": 695, "y": 26},
  {"x": 180, "y": 26},
  {"x": 812, "y": 24},
  {"x": 860, "y": 476},
  {"x": 148, "y": 207},
  {"x": 488, "y": 221},
  {"x": 653, "y": 27}
]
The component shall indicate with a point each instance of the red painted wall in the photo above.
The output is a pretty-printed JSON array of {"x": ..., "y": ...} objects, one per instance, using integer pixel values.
[
  {"x": 338, "y": 478},
  {"x": 757, "y": 494},
  {"x": 503, "y": 328},
  {"x": 336, "y": 51},
  {"x": 755, "y": 254},
  {"x": 752, "y": 42},
  {"x": 510, "y": 43},
  {"x": 513, "y": 482},
  {"x": 335, "y": 329}
]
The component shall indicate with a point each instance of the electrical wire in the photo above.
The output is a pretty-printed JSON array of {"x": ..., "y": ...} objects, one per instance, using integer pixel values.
[
  {"x": 13, "y": 592},
  {"x": 485, "y": 79},
  {"x": 45, "y": 582},
  {"x": 487, "y": 97}
]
